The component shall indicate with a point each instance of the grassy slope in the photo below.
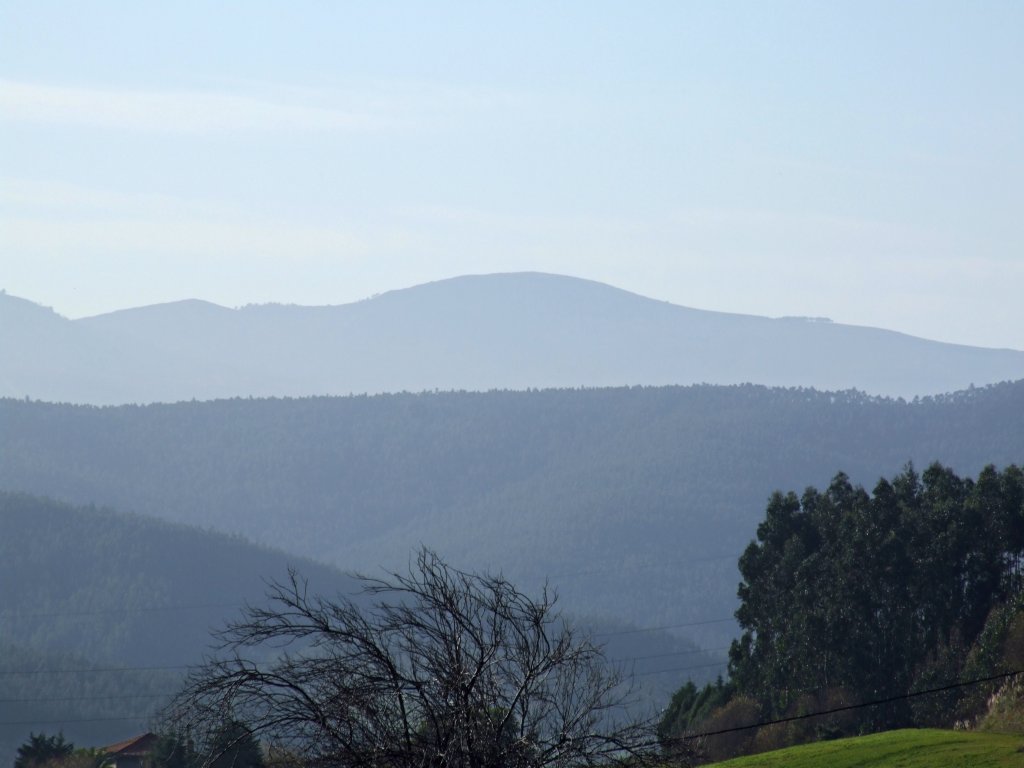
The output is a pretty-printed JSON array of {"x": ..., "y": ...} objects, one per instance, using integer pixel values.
[{"x": 900, "y": 749}]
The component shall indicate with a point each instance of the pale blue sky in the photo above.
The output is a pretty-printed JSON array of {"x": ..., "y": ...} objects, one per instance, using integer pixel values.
[{"x": 862, "y": 161}]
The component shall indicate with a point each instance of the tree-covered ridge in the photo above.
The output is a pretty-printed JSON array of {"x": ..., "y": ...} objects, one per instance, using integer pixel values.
[
  {"x": 850, "y": 597},
  {"x": 666, "y": 483},
  {"x": 120, "y": 587},
  {"x": 102, "y": 612}
]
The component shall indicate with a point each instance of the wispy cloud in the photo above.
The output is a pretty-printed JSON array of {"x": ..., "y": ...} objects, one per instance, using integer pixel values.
[
  {"x": 189, "y": 112},
  {"x": 44, "y": 220}
]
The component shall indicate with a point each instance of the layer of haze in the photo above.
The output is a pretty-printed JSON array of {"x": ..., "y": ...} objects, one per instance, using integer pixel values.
[{"x": 857, "y": 160}]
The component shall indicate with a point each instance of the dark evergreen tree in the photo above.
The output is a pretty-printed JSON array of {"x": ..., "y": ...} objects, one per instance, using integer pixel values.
[
  {"x": 851, "y": 597},
  {"x": 41, "y": 749},
  {"x": 173, "y": 751},
  {"x": 233, "y": 746},
  {"x": 843, "y": 589}
]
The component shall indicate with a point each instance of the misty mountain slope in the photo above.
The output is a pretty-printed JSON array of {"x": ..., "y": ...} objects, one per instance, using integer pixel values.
[
  {"x": 635, "y": 502},
  {"x": 101, "y": 612},
  {"x": 112, "y": 586},
  {"x": 41, "y": 352},
  {"x": 506, "y": 331}
]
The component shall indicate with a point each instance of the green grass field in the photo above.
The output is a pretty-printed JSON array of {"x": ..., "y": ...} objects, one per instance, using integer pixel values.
[{"x": 903, "y": 749}]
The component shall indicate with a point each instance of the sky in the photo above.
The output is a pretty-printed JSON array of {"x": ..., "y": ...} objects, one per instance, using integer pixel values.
[{"x": 862, "y": 161}]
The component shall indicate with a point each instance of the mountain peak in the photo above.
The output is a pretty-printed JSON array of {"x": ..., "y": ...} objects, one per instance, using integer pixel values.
[
  {"x": 179, "y": 308},
  {"x": 517, "y": 330},
  {"x": 14, "y": 308}
]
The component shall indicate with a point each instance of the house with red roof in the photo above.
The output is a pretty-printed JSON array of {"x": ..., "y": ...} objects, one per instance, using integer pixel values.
[{"x": 131, "y": 753}]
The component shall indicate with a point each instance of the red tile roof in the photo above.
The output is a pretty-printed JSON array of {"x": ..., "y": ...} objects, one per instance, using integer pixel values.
[{"x": 139, "y": 745}]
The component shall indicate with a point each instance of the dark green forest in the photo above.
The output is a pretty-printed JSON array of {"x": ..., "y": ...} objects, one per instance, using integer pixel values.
[
  {"x": 668, "y": 483},
  {"x": 850, "y": 597}
]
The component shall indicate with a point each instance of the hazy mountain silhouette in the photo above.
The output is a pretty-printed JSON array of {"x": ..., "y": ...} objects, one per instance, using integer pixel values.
[{"x": 511, "y": 331}]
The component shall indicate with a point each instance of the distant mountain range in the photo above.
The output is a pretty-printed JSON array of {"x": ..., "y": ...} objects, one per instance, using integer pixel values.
[{"x": 505, "y": 331}]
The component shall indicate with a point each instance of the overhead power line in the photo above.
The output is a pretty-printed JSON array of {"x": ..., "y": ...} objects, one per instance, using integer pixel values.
[
  {"x": 621, "y": 660},
  {"x": 115, "y": 611},
  {"x": 122, "y": 697},
  {"x": 93, "y": 669},
  {"x": 848, "y": 707},
  {"x": 664, "y": 626},
  {"x": 637, "y": 567},
  {"x": 68, "y": 721},
  {"x": 242, "y": 604},
  {"x": 681, "y": 669},
  {"x": 673, "y": 653},
  {"x": 688, "y": 737}
]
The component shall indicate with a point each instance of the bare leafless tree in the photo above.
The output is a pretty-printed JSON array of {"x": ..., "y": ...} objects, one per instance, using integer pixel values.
[{"x": 431, "y": 668}]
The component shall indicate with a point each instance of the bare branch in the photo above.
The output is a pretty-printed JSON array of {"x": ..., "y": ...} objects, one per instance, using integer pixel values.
[{"x": 430, "y": 668}]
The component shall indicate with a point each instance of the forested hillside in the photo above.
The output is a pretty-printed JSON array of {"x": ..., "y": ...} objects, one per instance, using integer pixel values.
[
  {"x": 102, "y": 612},
  {"x": 635, "y": 502},
  {"x": 114, "y": 586}
]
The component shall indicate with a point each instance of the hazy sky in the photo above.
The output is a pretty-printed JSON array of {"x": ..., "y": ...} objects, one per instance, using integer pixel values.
[{"x": 862, "y": 161}]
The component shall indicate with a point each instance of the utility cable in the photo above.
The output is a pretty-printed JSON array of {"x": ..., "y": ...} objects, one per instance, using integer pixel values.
[
  {"x": 848, "y": 707},
  {"x": 673, "y": 653},
  {"x": 665, "y": 626},
  {"x": 94, "y": 669},
  {"x": 680, "y": 669}
]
